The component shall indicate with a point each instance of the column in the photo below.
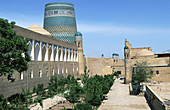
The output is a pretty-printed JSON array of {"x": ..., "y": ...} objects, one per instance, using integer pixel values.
[
  {"x": 76, "y": 56},
  {"x": 65, "y": 55},
  {"x": 68, "y": 59},
  {"x": 61, "y": 54},
  {"x": 72, "y": 55},
  {"x": 52, "y": 53},
  {"x": 40, "y": 53},
  {"x": 46, "y": 53},
  {"x": 57, "y": 55}
]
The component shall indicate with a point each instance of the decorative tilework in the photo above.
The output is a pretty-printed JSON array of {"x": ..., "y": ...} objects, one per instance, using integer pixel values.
[
  {"x": 60, "y": 21},
  {"x": 53, "y": 13},
  {"x": 59, "y": 7},
  {"x": 79, "y": 37}
]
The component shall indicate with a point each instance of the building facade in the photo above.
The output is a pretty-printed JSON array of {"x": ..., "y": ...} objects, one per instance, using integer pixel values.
[
  {"x": 50, "y": 53},
  {"x": 159, "y": 63}
]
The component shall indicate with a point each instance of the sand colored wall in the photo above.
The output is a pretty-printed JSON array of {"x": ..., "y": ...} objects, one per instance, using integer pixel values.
[
  {"x": 157, "y": 63},
  {"x": 102, "y": 66}
]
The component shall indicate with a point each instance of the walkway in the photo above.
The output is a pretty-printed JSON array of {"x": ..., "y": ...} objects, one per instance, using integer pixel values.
[{"x": 119, "y": 99}]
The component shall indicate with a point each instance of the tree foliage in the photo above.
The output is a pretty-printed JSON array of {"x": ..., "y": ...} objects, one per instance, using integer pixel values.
[
  {"x": 141, "y": 73},
  {"x": 53, "y": 86},
  {"x": 93, "y": 92},
  {"x": 74, "y": 93},
  {"x": 13, "y": 50},
  {"x": 3, "y": 103},
  {"x": 85, "y": 76},
  {"x": 27, "y": 97},
  {"x": 83, "y": 106},
  {"x": 87, "y": 96}
]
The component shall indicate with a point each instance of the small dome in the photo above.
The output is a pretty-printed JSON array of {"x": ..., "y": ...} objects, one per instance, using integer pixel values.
[
  {"x": 144, "y": 52},
  {"x": 78, "y": 34},
  {"x": 126, "y": 47}
]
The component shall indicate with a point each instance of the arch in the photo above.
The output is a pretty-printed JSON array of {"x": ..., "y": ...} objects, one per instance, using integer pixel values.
[
  {"x": 59, "y": 54},
  {"x": 68, "y": 54},
  {"x": 73, "y": 55},
  {"x": 37, "y": 49},
  {"x": 46, "y": 71},
  {"x": 53, "y": 71},
  {"x": 43, "y": 52},
  {"x": 40, "y": 73},
  {"x": 55, "y": 53},
  {"x": 30, "y": 48},
  {"x": 76, "y": 56},
  {"x": 21, "y": 75},
  {"x": 58, "y": 70},
  {"x": 50, "y": 52},
  {"x": 31, "y": 74},
  {"x": 63, "y": 54},
  {"x": 157, "y": 72},
  {"x": 66, "y": 70},
  {"x": 79, "y": 45}
]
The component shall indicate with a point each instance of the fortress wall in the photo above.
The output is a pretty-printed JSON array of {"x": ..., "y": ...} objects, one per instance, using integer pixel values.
[{"x": 102, "y": 66}]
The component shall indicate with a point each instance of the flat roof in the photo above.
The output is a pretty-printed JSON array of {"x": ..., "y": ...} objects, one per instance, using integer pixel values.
[{"x": 163, "y": 91}]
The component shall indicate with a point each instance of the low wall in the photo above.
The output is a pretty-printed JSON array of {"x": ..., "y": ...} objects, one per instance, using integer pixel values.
[{"x": 155, "y": 102}]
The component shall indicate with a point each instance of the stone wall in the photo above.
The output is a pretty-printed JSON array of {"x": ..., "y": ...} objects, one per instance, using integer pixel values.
[
  {"x": 50, "y": 67},
  {"x": 155, "y": 100},
  {"x": 102, "y": 66},
  {"x": 161, "y": 74},
  {"x": 9, "y": 88}
]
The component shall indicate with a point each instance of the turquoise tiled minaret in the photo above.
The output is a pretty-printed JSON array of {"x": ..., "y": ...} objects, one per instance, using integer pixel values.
[{"x": 59, "y": 20}]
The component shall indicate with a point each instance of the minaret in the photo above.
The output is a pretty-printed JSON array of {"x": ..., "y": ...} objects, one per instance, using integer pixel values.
[
  {"x": 79, "y": 44},
  {"x": 59, "y": 20}
]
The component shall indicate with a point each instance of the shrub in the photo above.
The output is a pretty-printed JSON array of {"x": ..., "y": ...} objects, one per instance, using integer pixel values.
[{"x": 83, "y": 106}]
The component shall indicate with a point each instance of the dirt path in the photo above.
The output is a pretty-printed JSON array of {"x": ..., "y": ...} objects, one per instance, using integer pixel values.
[{"x": 119, "y": 99}]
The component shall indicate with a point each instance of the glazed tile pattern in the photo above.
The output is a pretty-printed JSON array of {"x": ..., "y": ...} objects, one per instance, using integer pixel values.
[{"x": 60, "y": 21}]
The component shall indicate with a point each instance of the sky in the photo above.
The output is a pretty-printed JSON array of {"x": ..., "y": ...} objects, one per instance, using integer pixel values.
[{"x": 105, "y": 24}]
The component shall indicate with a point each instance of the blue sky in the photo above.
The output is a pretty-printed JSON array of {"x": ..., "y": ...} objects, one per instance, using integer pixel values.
[{"x": 104, "y": 23}]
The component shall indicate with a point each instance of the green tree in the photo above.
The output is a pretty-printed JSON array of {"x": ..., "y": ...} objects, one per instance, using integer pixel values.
[
  {"x": 13, "y": 50},
  {"x": 40, "y": 90},
  {"x": 61, "y": 85},
  {"x": 27, "y": 97},
  {"x": 17, "y": 102},
  {"x": 141, "y": 73},
  {"x": 53, "y": 86},
  {"x": 83, "y": 106},
  {"x": 73, "y": 94},
  {"x": 3, "y": 103},
  {"x": 85, "y": 76},
  {"x": 93, "y": 92}
]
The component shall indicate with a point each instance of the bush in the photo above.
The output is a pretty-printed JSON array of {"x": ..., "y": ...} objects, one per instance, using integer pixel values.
[{"x": 83, "y": 106}]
